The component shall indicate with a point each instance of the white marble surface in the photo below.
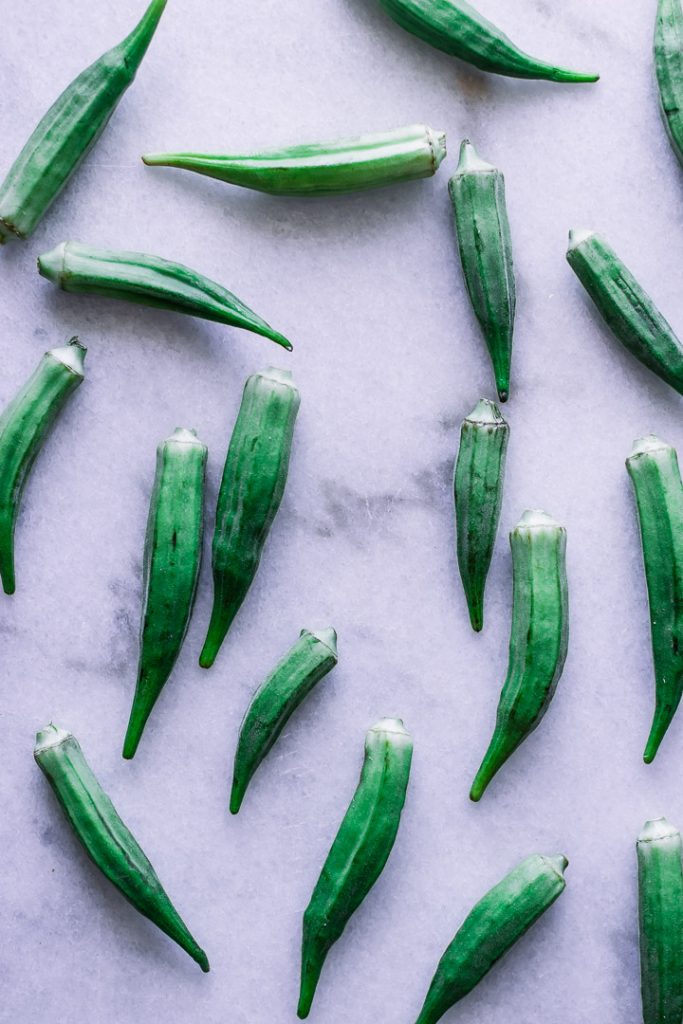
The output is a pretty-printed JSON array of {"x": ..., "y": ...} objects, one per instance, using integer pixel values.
[{"x": 389, "y": 360}]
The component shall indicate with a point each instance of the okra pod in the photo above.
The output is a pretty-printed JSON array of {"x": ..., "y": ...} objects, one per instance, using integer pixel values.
[
  {"x": 477, "y": 191},
  {"x": 290, "y": 682},
  {"x": 492, "y": 926},
  {"x": 478, "y": 494},
  {"x": 173, "y": 549},
  {"x": 660, "y": 899},
  {"x": 149, "y": 281},
  {"x": 655, "y": 475},
  {"x": 538, "y": 638},
  {"x": 251, "y": 490},
  {"x": 69, "y": 129},
  {"x": 625, "y": 307},
  {"x": 105, "y": 838},
  {"x": 360, "y": 850},
  {"x": 24, "y": 425},
  {"x": 669, "y": 69},
  {"x": 456, "y": 28}
]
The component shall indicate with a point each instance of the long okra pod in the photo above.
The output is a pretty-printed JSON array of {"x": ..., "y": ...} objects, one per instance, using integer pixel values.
[
  {"x": 538, "y": 638},
  {"x": 251, "y": 490},
  {"x": 69, "y": 129},
  {"x": 173, "y": 549},
  {"x": 24, "y": 425},
  {"x": 149, "y": 281},
  {"x": 653, "y": 468},
  {"x": 360, "y": 850},
  {"x": 478, "y": 493},
  {"x": 669, "y": 69},
  {"x": 660, "y": 898},
  {"x": 105, "y": 838},
  {"x": 290, "y": 682},
  {"x": 491, "y": 928}
]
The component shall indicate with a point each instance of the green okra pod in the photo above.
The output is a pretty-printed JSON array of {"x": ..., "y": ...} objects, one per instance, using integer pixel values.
[
  {"x": 173, "y": 550},
  {"x": 149, "y": 281},
  {"x": 347, "y": 165},
  {"x": 660, "y": 905},
  {"x": 669, "y": 69},
  {"x": 251, "y": 490},
  {"x": 105, "y": 838},
  {"x": 625, "y": 307},
  {"x": 538, "y": 638},
  {"x": 290, "y": 682},
  {"x": 24, "y": 425},
  {"x": 492, "y": 926},
  {"x": 478, "y": 494},
  {"x": 653, "y": 468},
  {"x": 360, "y": 849},
  {"x": 69, "y": 129},
  {"x": 477, "y": 191}
]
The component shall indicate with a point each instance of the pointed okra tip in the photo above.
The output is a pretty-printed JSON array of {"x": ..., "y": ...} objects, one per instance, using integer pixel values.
[
  {"x": 72, "y": 356},
  {"x": 184, "y": 435},
  {"x": 470, "y": 162},
  {"x": 50, "y": 736},
  {"x": 485, "y": 412},
  {"x": 558, "y": 863},
  {"x": 51, "y": 264},
  {"x": 328, "y": 637},
  {"x": 658, "y": 828},
  {"x": 577, "y": 236}
]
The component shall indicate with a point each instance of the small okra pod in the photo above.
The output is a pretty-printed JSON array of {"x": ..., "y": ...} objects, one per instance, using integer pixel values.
[
  {"x": 24, "y": 425},
  {"x": 655, "y": 475},
  {"x": 69, "y": 129},
  {"x": 360, "y": 850},
  {"x": 478, "y": 493},
  {"x": 348, "y": 165},
  {"x": 290, "y": 682},
  {"x": 660, "y": 899},
  {"x": 492, "y": 926},
  {"x": 669, "y": 69},
  {"x": 251, "y": 490},
  {"x": 538, "y": 638},
  {"x": 625, "y": 307},
  {"x": 105, "y": 838},
  {"x": 149, "y": 281},
  {"x": 173, "y": 550},
  {"x": 477, "y": 191}
]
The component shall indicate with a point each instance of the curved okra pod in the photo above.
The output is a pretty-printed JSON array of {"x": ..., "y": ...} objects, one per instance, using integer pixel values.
[
  {"x": 360, "y": 850},
  {"x": 290, "y": 682},
  {"x": 478, "y": 493},
  {"x": 656, "y": 478},
  {"x": 456, "y": 28},
  {"x": 348, "y": 165},
  {"x": 104, "y": 836},
  {"x": 69, "y": 129},
  {"x": 669, "y": 69},
  {"x": 24, "y": 425},
  {"x": 149, "y": 281},
  {"x": 173, "y": 549},
  {"x": 660, "y": 898},
  {"x": 477, "y": 191},
  {"x": 491, "y": 928},
  {"x": 627, "y": 310},
  {"x": 538, "y": 639},
  {"x": 251, "y": 490}
]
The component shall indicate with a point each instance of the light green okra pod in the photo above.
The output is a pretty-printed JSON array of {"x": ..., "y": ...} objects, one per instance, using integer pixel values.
[
  {"x": 478, "y": 493},
  {"x": 669, "y": 69},
  {"x": 348, "y": 165},
  {"x": 360, "y": 849},
  {"x": 24, "y": 425},
  {"x": 660, "y": 898},
  {"x": 290, "y": 682},
  {"x": 477, "y": 191},
  {"x": 69, "y": 129},
  {"x": 491, "y": 928},
  {"x": 538, "y": 638},
  {"x": 173, "y": 551},
  {"x": 105, "y": 838},
  {"x": 149, "y": 281},
  {"x": 251, "y": 490},
  {"x": 653, "y": 468}
]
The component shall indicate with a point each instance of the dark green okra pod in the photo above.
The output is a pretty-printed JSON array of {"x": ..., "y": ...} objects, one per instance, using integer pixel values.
[
  {"x": 24, "y": 425},
  {"x": 653, "y": 468},
  {"x": 69, "y": 129},
  {"x": 660, "y": 898},
  {"x": 105, "y": 838},
  {"x": 173, "y": 550},
  {"x": 478, "y": 492},
  {"x": 538, "y": 638},
  {"x": 491, "y": 928},
  {"x": 669, "y": 69},
  {"x": 290, "y": 682},
  {"x": 251, "y": 490}
]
